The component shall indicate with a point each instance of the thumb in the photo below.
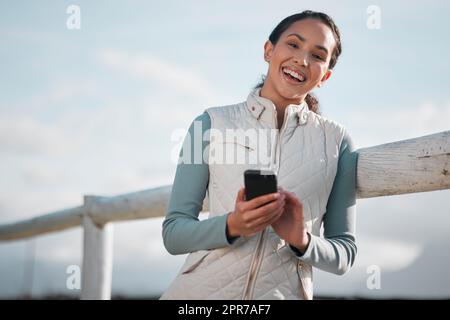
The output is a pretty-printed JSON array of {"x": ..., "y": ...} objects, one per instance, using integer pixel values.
[
  {"x": 295, "y": 200},
  {"x": 292, "y": 197},
  {"x": 241, "y": 194}
]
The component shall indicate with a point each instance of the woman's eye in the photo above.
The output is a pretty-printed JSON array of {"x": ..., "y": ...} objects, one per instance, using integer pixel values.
[
  {"x": 293, "y": 45},
  {"x": 318, "y": 57}
]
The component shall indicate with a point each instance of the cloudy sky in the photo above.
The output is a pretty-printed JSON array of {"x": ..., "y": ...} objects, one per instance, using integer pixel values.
[{"x": 93, "y": 111}]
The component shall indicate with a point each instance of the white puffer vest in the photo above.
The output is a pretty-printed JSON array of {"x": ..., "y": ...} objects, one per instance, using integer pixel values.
[{"x": 304, "y": 154}]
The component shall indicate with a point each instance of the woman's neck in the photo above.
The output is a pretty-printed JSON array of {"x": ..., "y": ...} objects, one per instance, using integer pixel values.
[{"x": 280, "y": 103}]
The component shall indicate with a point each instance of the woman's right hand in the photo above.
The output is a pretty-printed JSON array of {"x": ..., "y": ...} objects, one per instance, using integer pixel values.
[{"x": 250, "y": 217}]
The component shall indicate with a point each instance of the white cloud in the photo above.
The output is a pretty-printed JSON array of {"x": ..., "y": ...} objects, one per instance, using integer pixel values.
[
  {"x": 389, "y": 254},
  {"x": 174, "y": 77},
  {"x": 373, "y": 127},
  {"x": 64, "y": 247},
  {"x": 27, "y": 136}
]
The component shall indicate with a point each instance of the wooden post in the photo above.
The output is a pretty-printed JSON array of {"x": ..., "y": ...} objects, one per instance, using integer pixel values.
[{"x": 97, "y": 257}]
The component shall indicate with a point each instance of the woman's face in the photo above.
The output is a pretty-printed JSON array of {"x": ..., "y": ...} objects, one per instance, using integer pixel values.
[{"x": 299, "y": 61}]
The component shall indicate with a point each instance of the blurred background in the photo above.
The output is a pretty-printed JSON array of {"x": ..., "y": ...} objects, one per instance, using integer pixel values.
[{"x": 93, "y": 111}]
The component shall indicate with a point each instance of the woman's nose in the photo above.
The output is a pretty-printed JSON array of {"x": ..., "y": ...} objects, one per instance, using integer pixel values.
[{"x": 302, "y": 59}]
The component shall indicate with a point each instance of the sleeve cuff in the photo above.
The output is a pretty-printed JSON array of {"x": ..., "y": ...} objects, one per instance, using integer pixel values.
[
  {"x": 305, "y": 256},
  {"x": 229, "y": 240}
]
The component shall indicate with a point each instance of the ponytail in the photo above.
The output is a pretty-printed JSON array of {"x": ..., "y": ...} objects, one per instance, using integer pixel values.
[{"x": 313, "y": 103}]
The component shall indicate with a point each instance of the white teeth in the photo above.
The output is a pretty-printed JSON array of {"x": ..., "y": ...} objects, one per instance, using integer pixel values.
[{"x": 294, "y": 74}]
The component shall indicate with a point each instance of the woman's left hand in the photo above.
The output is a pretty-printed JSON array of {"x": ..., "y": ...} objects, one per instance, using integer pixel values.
[{"x": 290, "y": 226}]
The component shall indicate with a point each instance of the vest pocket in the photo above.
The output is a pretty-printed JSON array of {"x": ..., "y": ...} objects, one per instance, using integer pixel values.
[
  {"x": 193, "y": 260},
  {"x": 237, "y": 148},
  {"x": 239, "y": 152},
  {"x": 203, "y": 258}
]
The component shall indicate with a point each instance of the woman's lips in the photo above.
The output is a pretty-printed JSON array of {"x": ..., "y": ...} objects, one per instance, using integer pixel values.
[
  {"x": 289, "y": 80},
  {"x": 297, "y": 74}
]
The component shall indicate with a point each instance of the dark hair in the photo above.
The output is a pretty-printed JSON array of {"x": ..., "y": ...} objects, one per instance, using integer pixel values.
[{"x": 311, "y": 100}]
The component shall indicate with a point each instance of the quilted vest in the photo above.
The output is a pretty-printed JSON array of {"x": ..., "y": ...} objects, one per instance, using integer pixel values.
[{"x": 304, "y": 154}]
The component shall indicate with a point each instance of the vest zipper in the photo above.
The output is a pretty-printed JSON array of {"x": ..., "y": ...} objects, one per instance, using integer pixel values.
[
  {"x": 257, "y": 257},
  {"x": 299, "y": 265},
  {"x": 254, "y": 268}
]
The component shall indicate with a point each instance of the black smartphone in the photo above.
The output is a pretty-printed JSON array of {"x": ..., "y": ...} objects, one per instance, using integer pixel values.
[{"x": 259, "y": 182}]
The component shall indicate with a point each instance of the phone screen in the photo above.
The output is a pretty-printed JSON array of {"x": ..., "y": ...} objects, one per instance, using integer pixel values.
[{"x": 259, "y": 182}]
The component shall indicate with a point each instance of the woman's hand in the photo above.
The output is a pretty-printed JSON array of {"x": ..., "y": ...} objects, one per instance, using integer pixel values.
[
  {"x": 250, "y": 217},
  {"x": 290, "y": 225}
]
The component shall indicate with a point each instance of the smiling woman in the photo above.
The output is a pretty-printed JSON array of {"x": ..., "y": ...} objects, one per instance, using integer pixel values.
[
  {"x": 307, "y": 42},
  {"x": 266, "y": 247}
]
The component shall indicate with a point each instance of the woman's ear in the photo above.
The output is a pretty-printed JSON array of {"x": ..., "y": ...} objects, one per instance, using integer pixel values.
[
  {"x": 268, "y": 48},
  {"x": 326, "y": 76}
]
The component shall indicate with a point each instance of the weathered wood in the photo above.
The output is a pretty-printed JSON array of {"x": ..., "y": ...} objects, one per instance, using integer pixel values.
[
  {"x": 52, "y": 222},
  {"x": 131, "y": 206},
  {"x": 96, "y": 274},
  {"x": 136, "y": 205},
  {"x": 408, "y": 166}
]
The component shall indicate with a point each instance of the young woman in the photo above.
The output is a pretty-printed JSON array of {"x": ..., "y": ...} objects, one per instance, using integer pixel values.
[{"x": 265, "y": 248}]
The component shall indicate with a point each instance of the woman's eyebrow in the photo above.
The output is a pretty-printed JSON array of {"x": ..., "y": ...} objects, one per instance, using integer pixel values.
[{"x": 303, "y": 40}]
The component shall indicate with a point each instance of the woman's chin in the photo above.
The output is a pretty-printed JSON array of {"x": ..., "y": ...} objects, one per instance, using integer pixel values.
[{"x": 289, "y": 93}]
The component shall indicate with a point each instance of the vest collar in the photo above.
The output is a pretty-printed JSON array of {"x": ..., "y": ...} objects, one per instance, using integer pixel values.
[{"x": 263, "y": 109}]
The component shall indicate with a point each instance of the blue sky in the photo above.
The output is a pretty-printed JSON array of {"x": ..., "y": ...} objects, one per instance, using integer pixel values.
[{"x": 92, "y": 111}]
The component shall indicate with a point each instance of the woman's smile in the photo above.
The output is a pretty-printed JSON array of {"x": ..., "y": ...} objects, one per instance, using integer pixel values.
[{"x": 292, "y": 76}]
